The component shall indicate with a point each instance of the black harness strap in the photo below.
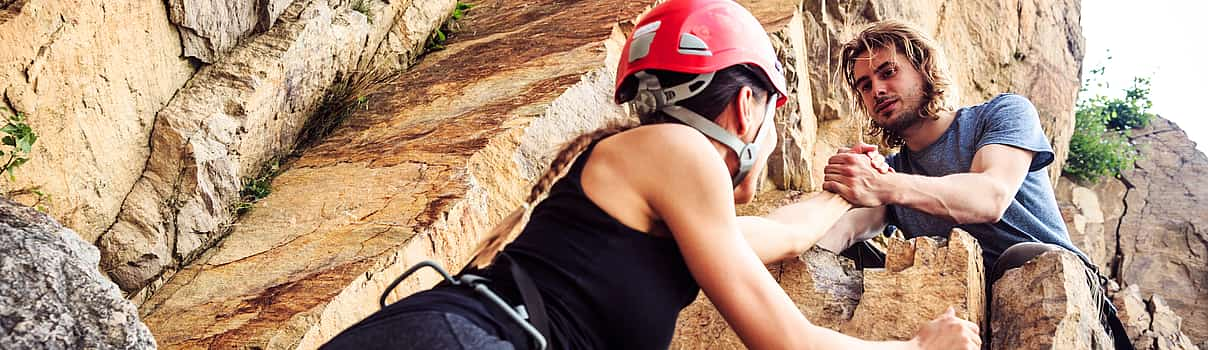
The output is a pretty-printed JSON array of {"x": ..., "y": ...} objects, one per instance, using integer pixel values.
[{"x": 531, "y": 297}]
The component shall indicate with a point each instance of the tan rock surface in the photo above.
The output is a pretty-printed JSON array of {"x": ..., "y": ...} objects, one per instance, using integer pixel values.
[
  {"x": 1046, "y": 304},
  {"x": 1085, "y": 220},
  {"x": 211, "y": 28},
  {"x": 923, "y": 278},
  {"x": 1163, "y": 235},
  {"x": 221, "y": 127},
  {"x": 419, "y": 175},
  {"x": 230, "y": 119},
  {"x": 91, "y": 102}
]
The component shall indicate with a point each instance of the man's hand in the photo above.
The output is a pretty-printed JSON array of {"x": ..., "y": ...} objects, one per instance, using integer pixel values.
[{"x": 856, "y": 174}]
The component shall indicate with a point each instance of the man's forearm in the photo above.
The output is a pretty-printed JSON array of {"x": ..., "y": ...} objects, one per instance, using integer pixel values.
[{"x": 962, "y": 198}]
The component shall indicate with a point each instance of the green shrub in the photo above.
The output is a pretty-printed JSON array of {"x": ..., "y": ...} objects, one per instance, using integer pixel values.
[
  {"x": 1100, "y": 145},
  {"x": 18, "y": 142}
]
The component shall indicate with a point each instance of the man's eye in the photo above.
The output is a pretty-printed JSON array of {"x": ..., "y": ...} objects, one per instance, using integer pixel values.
[
  {"x": 865, "y": 87},
  {"x": 888, "y": 72}
]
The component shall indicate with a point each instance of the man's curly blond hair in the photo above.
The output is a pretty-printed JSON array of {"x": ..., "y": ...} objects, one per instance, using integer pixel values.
[{"x": 922, "y": 52}]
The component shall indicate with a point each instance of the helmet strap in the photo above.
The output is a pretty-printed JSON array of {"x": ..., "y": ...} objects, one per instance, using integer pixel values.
[{"x": 652, "y": 97}]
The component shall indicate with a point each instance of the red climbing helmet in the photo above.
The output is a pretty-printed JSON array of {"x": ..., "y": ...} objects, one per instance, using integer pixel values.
[{"x": 697, "y": 37}]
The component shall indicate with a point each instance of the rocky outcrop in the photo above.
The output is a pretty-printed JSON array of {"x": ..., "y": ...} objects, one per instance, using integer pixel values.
[
  {"x": 1033, "y": 48},
  {"x": 51, "y": 294},
  {"x": 91, "y": 101},
  {"x": 1150, "y": 323},
  {"x": 1092, "y": 214},
  {"x": 231, "y": 118},
  {"x": 419, "y": 174},
  {"x": 1162, "y": 237},
  {"x": 208, "y": 29},
  {"x": 1046, "y": 304},
  {"x": 869, "y": 304}
]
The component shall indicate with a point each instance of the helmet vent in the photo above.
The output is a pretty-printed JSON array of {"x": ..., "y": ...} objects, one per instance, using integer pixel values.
[
  {"x": 691, "y": 45},
  {"x": 639, "y": 47}
]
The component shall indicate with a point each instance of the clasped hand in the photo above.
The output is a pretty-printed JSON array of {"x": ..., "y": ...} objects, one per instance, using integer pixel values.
[{"x": 857, "y": 174}]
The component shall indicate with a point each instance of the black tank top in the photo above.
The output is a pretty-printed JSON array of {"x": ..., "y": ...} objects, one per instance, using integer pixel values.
[{"x": 604, "y": 285}]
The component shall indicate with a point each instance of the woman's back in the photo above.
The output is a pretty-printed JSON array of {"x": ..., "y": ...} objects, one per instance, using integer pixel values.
[{"x": 605, "y": 285}]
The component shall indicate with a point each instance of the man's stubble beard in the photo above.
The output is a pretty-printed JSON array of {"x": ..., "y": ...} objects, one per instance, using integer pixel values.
[{"x": 907, "y": 117}]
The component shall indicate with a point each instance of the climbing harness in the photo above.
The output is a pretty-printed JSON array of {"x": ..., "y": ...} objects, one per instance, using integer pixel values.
[{"x": 533, "y": 323}]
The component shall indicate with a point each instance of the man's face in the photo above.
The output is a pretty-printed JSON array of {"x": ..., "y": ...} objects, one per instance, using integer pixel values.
[{"x": 891, "y": 90}]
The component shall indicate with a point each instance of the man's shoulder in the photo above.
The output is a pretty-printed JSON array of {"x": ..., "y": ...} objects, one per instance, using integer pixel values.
[{"x": 1004, "y": 101}]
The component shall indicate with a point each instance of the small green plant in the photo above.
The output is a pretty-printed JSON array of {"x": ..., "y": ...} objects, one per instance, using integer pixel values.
[
  {"x": 256, "y": 188},
  {"x": 18, "y": 142},
  {"x": 1100, "y": 145},
  {"x": 437, "y": 40}
]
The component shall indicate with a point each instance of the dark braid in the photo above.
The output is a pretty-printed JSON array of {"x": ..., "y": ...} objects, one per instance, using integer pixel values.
[{"x": 510, "y": 227}]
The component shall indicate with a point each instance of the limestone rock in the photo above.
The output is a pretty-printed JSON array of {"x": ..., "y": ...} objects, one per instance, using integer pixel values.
[
  {"x": 1046, "y": 304},
  {"x": 419, "y": 174},
  {"x": 91, "y": 101},
  {"x": 826, "y": 287},
  {"x": 221, "y": 127},
  {"x": 1131, "y": 308},
  {"x": 1167, "y": 327},
  {"x": 924, "y": 276},
  {"x": 937, "y": 275},
  {"x": 401, "y": 43},
  {"x": 1033, "y": 48},
  {"x": 1086, "y": 219},
  {"x": 51, "y": 294},
  {"x": 211, "y": 28},
  {"x": 1163, "y": 235}
]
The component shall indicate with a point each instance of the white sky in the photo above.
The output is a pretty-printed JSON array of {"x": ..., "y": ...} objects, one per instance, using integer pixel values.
[{"x": 1162, "y": 39}]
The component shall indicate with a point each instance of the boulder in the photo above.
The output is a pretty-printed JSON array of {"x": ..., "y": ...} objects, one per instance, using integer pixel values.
[
  {"x": 418, "y": 174},
  {"x": 1046, "y": 304},
  {"x": 51, "y": 294}
]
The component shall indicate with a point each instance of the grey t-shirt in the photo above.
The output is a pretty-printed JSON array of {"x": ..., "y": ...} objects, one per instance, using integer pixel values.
[{"x": 1033, "y": 216}]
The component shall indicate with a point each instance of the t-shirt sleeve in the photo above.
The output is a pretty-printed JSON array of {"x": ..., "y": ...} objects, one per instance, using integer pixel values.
[{"x": 1012, "y": 120}]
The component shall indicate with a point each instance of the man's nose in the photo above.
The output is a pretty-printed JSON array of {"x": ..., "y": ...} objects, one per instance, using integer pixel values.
[{"x": 879, "y": 88}]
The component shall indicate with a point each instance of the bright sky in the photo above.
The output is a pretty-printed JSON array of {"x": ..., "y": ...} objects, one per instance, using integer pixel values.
[{"x": 1161, "y": 39}]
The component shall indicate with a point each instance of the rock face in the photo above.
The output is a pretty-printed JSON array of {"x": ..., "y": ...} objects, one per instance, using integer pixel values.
[
  {"x": 231, "y": 118},
  {"x": 1033, "y": 48},
  {"x": 1150, "y": 324},
  {"x": 420, "y": 174},
  {"x": 51, "y": 294},
  {"x": 1046, "y": 304},
  {"x": 95, "y": 78},
  {"x": 1091, "y": 216},
  {"x": 92, "y": 102},
  {"x": 209, "y": 29},
  {"x": 922, "y": 278},
  {"x": 1163, "y": 235}
]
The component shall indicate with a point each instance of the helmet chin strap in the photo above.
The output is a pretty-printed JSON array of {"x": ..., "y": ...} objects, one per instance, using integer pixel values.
[{"x": 656, "y": 98}]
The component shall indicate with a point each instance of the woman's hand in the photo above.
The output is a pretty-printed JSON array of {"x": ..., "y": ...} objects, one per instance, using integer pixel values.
[
  {"x": 947, "y": 332},
  {"x": 877, "y": 160}
]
